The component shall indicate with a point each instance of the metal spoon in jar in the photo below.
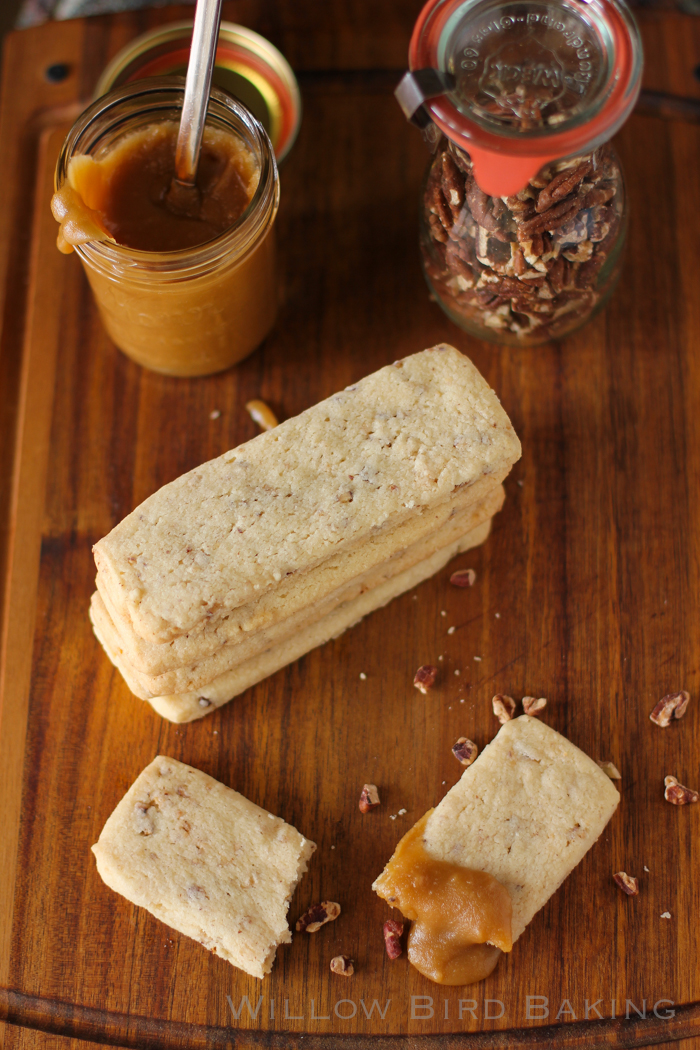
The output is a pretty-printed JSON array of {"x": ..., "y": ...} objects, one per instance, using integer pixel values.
[{"x": 183, "y": 197}]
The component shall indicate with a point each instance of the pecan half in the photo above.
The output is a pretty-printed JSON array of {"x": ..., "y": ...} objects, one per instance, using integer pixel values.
[
  {"x": 463, "y": 578},
  {"x": 562, "y": 185},
  {"x": 369, "y": 798},
  {"x": 317, "y": 916},
  {"x": 478, "y": 203},
  {"x": 517, "y": 286},
  {"x": 519, "y": 264},
  {"x": 556, "y": 274},
  {"x": 442, "y": 210},
  {"x": 342, "y": 964},
  {"x": 554, "y": 217},
  {"x": 627, "y": 883},
  {"x": 437, "y": 229},
  {"x": 465, "y": 751},
  {"x": 424, "y": 678},
  {"x": 503, "y": 707},
  {"x": 673, "y": 705},
  {"x": 588, "y": 272},
  {"x": 393, "y": 931},
  {"x": 533, "y": 704},
  {"x": 676, "y": 794},
  {"x": 452, "y": 183}
]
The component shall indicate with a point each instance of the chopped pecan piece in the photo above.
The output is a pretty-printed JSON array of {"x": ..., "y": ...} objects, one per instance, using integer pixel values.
[
  {"x": 588, "y": 272},
  {"x": 393, "y": 931},
  {"x": 598, "y": 195},
  {"x": 677, "y": 794},
  {"x": 503, "y": 707},
  {"x": 262, "y": 414},
  {"x": 572, "y": 232},
  {"x": 581, "y": 253},
  {"x": 465, "y": 751},
  {"x": 317, "y": 916},
  {"x": 533, "y": 704},
  {"x": 342, "y": 964},
  {"x": 519, "y": 264},
  {"x": 627, "y": 883},
  {"x": 610, "y": 769},
  {"x": 673, "y": 705},
  {"x": 369, "y": 798},
  {"x": 537, "y": 245},
  {"x": 463, "y": 578},
  {"x": 424, "y": 678},
  {"x": 541, "y": 179}
]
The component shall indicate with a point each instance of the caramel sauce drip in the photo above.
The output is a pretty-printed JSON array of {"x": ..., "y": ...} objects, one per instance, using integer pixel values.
[
  {"x": 126, "y": 196},
  {"x": 461, "y": 919}
]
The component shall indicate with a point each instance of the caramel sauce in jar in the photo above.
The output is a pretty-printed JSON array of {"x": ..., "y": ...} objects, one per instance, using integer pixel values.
[
  {"x": 126, "y": 194},
  {"x": 185, "y": 285},
  {"x": 461, "y": 918}
]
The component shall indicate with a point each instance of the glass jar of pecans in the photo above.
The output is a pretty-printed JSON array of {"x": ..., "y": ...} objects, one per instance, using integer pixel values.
[{"x": 523, "y": 212}]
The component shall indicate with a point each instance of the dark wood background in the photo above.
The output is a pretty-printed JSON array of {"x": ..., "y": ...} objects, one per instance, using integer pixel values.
[{"x": 592, "y": 568}]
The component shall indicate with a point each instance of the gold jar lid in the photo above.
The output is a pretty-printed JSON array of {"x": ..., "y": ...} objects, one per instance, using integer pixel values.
[{"x": 248, "y": 67}]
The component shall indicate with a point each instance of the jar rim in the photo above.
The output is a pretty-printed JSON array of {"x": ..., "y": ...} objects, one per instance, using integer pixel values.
[
  {"x": 161, "y": 94},
  {"x": 594, "y": 126}
]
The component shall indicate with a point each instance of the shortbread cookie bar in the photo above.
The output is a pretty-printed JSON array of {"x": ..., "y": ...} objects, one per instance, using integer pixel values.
[
  {"x": 206, "y": 861},
  {"x": 185, "y": 707},
  {"x": 526, "y": 812},
  {"x": 187, "y": 679},
  {"x": 296, "y": 592},
  {"x": 368, "y": 458}
]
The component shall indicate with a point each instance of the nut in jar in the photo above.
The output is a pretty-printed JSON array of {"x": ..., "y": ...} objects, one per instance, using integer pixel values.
[
  {"x": 524, "y": 266},
  {"x": 523, "y": 209}
]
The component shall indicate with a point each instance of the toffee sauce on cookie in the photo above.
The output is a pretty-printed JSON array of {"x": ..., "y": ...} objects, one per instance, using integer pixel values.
[{"x": 461, "y": 918}]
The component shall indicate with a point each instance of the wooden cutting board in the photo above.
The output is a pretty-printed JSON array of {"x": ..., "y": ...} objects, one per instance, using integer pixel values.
[{"x": 586, "y": 593}]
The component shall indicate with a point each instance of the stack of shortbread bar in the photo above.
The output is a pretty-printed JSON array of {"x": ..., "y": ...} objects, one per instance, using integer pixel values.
[{"x": 249, "y": 561}]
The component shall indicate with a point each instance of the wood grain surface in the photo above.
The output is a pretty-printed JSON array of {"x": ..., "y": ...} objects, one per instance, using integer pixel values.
[{"x": 587, "y": 591}]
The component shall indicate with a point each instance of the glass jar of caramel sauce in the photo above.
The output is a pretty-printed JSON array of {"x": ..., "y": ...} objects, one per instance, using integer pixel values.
[{"x": 184, "y": 286}]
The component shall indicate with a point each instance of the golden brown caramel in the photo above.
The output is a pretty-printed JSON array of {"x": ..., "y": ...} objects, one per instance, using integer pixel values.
[
  {"x": 461, "y": 919},
  {"x": 125, "y": 196}
]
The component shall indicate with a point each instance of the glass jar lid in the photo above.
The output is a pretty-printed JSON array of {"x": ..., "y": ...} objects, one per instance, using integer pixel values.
[{"x": 523, "y": 82}]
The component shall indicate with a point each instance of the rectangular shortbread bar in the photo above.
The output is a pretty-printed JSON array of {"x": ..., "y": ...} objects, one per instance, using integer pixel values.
[
  {"x": 206, "y": 861},
  {"x": 366, "y": 459},
  {"x": 296, "y": 592},
  {"x": 185, "y": 707},
  {"x": 526, "y": 812},
  {"x": 189, "y": 678}
]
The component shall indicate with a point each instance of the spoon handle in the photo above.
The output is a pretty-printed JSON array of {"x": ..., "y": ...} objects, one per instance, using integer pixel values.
[{"x": 197, "y": 87}]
